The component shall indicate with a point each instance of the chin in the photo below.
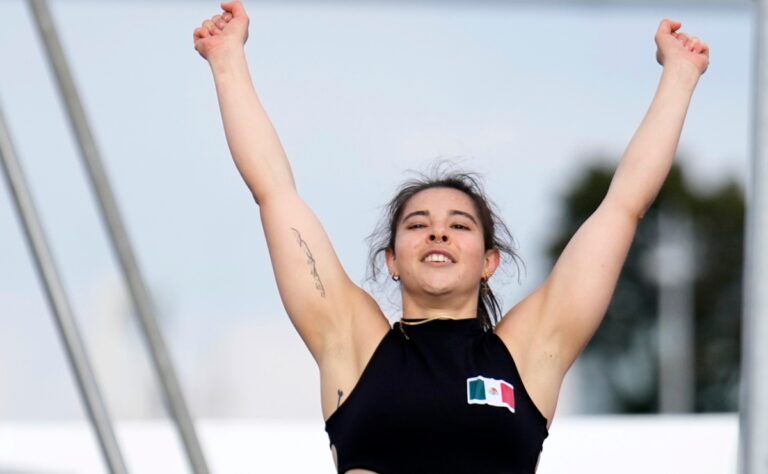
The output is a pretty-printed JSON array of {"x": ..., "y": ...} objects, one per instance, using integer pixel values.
[
  {"x": 439, "y": 288},
  {"x": 437, "y": 291}
]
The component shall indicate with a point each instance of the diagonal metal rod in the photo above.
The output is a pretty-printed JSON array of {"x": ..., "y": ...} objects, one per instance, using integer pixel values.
[
  {"x": 170, "y": 386},
  {"x": 753, "y": 422},
  {"x": 57, "y": 300}
]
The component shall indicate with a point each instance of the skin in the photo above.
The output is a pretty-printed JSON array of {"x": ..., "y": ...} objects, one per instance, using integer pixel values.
[
  {"x": 342, "y": 325},
  {"x": 432, "y": 289}
]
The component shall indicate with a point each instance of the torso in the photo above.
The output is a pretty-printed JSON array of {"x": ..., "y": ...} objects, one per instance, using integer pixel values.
[{"x": 343, "y": 370}]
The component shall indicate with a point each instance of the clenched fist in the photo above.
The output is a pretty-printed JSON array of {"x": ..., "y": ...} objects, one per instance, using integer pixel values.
[
  {"x": 222, "y": 32},
  {"x": 675, "y": 47}
]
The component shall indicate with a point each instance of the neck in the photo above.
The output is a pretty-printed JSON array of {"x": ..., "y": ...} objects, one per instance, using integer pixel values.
[{"x": 438, "y": 308}]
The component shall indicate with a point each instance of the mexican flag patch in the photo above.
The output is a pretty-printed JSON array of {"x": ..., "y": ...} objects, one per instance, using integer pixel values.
[{"x": 487, "y": 391}]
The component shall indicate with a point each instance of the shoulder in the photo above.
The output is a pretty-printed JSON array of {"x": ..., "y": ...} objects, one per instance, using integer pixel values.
[{"x": 536, "y": 359}]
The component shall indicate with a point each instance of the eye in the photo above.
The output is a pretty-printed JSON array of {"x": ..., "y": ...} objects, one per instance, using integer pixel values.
[
  {"x": 460, "y": 227},
  {"x": 415, "y": 226}
]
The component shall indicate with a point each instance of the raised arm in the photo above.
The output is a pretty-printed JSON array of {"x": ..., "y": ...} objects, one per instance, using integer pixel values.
[
  {"x": 252, "y": 139},
  {"x": 555, "y": 323},
  {"x": 649, "y": 155},
  {"x": 316, "y": 292}
]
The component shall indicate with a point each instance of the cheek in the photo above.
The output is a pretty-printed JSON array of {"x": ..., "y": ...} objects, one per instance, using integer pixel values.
[
  {"x": 409, "y": 250},
  {"x": 473, "y": 247},
  {"x": 404, "y": 245}
]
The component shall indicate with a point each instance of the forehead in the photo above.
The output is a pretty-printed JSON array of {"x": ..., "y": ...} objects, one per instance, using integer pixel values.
[{"x": 440, "y": 200}]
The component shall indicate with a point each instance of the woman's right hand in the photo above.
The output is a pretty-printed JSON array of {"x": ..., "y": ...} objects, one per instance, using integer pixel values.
[
  {"x": 674, "y": 46},
  {"x": 223, "y": 32}
]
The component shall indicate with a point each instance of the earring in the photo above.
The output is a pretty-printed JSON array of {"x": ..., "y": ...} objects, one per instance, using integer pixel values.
[
  {"x": 485, "y": 289},
  {"x": 395, "y": 277}
]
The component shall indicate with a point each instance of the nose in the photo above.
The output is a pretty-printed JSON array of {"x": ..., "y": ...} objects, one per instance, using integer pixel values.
[{"x": 442, "y": 238}]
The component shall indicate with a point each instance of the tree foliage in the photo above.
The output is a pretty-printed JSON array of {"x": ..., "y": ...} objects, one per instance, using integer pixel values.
[{"x": 624, "y": 348}]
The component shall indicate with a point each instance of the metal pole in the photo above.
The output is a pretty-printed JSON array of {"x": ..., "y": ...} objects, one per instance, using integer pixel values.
[
  {"x": 119, "y": 237},
  {"x": 753, "y": 446},
  {"x": 675, "y": 271},
  {"x": 57, "y": 300}
]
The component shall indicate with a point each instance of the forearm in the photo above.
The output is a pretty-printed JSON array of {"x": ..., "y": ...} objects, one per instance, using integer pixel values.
[
  {"x": 253, "y": 141},
  {"x": 649, "y": 155}
]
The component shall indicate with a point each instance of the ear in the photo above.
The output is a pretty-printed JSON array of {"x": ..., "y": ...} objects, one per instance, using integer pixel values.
[
  {"x": 492, "y": 261},
  {"x": 391, "y": 262}
]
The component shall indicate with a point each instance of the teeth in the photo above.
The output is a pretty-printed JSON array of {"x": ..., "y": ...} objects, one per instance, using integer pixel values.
[{"x": 436, "y": 257}]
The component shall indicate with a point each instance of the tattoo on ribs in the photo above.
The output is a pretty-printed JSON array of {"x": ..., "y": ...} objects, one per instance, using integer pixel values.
[
  {"x": 311, "y": 262},
  {"x": 340, "y": 394}
]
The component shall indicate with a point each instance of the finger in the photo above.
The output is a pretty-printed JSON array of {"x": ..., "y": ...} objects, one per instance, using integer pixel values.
[
  {"x": 235, "y": 8},
  {"x": 226, "y": 16},
  {"x": 218, "y": 21},
  {"x": 683, "y": 38},
  {"x": 668, "y": 26},
  {"x": 208, "y": 24},
  {"x": 691, "y": 43}
]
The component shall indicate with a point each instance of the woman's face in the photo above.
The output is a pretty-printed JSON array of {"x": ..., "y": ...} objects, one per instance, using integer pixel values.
[{"x": 439, "y": 246}]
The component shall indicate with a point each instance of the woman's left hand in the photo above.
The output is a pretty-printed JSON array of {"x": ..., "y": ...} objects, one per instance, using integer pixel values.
[{"x": 674, "y": 47}]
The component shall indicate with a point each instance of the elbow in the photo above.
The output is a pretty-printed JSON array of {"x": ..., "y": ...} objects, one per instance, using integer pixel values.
[
  {"x": 258, "y": 200},
  {"x": 640, "y": 213},
  {"x": 632, "y": 211},
  {"x": 633, "y": 206},
  {"x": 270, "y": 188}
]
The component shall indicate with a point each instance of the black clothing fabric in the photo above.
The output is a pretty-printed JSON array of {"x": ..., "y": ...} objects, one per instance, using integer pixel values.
[{"x": 411, "y": 411}]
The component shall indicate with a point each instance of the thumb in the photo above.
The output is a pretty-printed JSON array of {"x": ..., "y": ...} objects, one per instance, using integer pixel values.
[
  {"x": 669, "y": 26},
  {"x": 235, "y": 8}
]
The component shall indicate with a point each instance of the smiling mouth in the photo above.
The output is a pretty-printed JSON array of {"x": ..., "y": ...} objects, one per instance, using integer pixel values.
[{"x": 436, "y": 258}]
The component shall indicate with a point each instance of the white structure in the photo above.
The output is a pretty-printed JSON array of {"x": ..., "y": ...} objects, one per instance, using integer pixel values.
[{"x": 627, "y": 444}]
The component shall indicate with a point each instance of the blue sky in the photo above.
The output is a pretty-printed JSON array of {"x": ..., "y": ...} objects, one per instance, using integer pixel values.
[{"x": 525, "y": 95}]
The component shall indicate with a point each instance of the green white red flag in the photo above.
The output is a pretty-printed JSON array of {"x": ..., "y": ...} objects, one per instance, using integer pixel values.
[{"x": 487, "y": 391}]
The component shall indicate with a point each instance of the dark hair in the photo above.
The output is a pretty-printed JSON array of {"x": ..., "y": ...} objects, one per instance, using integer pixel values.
[{"x": 495, "y": 232}]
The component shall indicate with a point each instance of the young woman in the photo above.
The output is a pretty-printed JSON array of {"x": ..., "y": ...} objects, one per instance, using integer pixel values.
[{"x": 446, "y": 389}]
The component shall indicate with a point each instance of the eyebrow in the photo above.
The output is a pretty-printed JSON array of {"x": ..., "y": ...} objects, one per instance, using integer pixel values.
[{"x": 452, "y": 212}]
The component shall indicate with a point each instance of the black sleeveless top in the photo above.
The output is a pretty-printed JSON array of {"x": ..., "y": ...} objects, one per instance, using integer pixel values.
[{"x": 444, "y": 396}]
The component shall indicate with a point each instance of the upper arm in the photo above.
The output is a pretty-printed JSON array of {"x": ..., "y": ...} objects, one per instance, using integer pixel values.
[
  {"x": 562, "y": 315},
  {"x": 315, "y": 290}
]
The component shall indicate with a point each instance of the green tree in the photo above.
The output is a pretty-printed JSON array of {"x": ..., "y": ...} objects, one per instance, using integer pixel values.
[{"x": 624, "y": 347}]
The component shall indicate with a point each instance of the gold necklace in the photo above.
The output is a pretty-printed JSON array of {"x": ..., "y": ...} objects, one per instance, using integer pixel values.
[
  {"x": 416, "y": 323},
  {"x": 422, "y": 321}
]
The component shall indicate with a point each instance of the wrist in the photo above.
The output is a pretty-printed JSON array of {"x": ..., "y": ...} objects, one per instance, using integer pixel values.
[
  {"x": 681, "y": 73},
  {"x": 224, "y": 57}
]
